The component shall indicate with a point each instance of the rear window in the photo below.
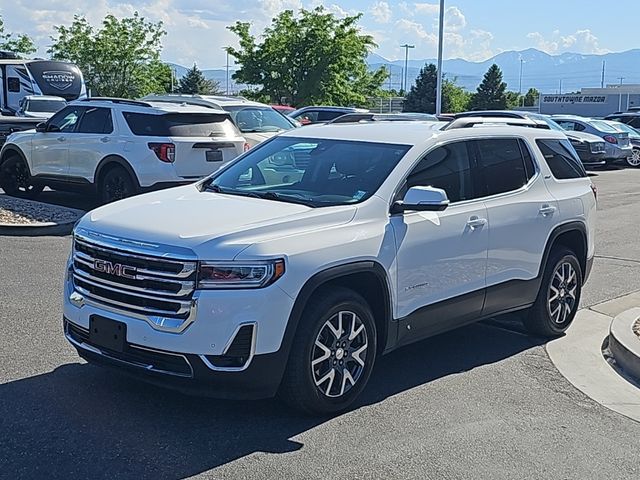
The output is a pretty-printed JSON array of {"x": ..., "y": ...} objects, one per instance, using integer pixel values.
[
  {"x": 181, "y": 125},
  {"x": 562, "y": 159},
  {"x": 603, "y": 127}
]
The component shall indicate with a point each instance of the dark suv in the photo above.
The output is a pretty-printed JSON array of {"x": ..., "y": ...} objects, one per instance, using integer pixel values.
[{"x": 630, "y": 118}]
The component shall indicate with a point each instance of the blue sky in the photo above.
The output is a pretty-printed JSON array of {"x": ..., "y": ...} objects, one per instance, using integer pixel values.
[{"x": 475, "y": 29}]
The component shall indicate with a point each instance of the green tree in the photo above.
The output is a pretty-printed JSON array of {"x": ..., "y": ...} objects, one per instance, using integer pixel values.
[
  {"x": 514, "y": 100},
  {"x": 455, "y": 99},
  {"x": 20, "y": 43},
  {"x": 310, "y": 58},
  {"x": 194, "y": 82},
  {"x": 491, "y": 93},
  {"x": 119, "y": 59},
  {"x": 422, "y": 96},
  {"x": 531, "y": 97}
]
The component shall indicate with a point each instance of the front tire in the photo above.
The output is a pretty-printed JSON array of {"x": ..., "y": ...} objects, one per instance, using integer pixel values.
[
  {"x": 332, "y": 355},
  {"x": 116, "y": 184},
  {"x": 634, "y": 159},
  {"x": 559, "y": 296},
  {"x": 15, "y": 179}
]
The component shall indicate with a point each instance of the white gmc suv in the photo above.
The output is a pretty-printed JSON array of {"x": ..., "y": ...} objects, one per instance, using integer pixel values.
[
  {"x": 294, "y": 267},
  {"x": 118, "y": 148}
]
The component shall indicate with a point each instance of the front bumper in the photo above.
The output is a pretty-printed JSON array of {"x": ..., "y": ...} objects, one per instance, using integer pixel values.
[{"x": 187, "y": 373}]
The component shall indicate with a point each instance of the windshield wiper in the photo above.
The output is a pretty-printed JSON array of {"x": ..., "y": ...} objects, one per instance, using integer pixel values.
[{"x": 285, "y": 198}]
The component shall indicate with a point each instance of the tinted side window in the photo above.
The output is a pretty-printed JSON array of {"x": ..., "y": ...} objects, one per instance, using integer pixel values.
[
  {"x": 13, "y": 84},
  {"x": 634, "y": 122},
  {"x": 96, "y": 120},
  {"x": 561, "y": 158},
  {"x": 447, "y": 167},
  {"x": 501, "y": 163},
  {"x": 326, "y": 116},
  {"x": 529, "y": 166},
  {"x": 66, "y": 119}
]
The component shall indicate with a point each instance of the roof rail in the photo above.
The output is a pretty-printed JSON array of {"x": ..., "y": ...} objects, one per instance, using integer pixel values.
[
  {"x": 469, "y": 122},
  {"x": 123, "y": 101}
]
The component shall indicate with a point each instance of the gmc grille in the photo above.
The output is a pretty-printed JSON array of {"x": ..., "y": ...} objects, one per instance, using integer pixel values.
[{"x": 144, "y": 285}]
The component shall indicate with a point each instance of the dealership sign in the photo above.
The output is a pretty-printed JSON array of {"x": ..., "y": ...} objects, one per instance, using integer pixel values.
[
  {"x": 59, "y": 79},
  {"x": 574, "y": 99}
]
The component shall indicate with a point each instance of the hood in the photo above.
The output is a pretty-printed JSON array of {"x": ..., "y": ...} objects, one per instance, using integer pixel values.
[
  {"x": 213, "y": 226},
  {"x": 254, "y": 138},
  {"x": 585, "y": 137}
]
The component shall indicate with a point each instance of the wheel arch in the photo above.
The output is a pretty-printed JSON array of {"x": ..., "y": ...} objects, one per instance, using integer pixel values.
[
  {"x": 10, "y": 149},
  {"x": 367, "y": 278},
  {"x": 572, "y": 235},
  {"x": 107, "y": 163}
]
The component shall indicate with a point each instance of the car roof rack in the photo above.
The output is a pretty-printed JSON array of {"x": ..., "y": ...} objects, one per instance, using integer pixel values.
[
  {"x": 374, "y": 117},
  {"x": 123, "y": 101},
  {"x": 470, "y": 122}
]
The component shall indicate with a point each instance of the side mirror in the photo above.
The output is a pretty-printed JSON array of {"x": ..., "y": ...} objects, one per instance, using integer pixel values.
[
  {"x": 41, "y": 127},
  {"x": 422, "y": 199}
]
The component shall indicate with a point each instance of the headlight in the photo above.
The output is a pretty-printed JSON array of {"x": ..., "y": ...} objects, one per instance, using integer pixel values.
[{"x": 239, "y": 274}]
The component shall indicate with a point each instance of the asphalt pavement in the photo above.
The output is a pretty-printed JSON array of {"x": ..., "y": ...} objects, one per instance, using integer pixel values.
[{"x": 483, "y": 401}]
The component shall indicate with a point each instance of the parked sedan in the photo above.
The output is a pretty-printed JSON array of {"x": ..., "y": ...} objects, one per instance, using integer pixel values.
[
  {"x": 309, "y": 115},
  {"x": 634, "y": 138},
  {"x": 590, "y": 148},
  {"x": 617, "y": 144}
]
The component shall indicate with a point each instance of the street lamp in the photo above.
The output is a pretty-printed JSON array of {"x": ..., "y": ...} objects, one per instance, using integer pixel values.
[
  {"x": 406, "y": 47},
  {"x": 440, "y": 41}
]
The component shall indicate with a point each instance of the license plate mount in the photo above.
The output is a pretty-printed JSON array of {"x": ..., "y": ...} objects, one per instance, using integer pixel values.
[
  {"x": 213, "y": 155},
  {"x": 108, "y": 334}
]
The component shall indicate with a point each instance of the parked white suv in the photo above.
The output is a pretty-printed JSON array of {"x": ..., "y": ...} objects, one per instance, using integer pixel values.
[
  {"x": 305, "y": 259},
  {"x": 118, "y": 148}
]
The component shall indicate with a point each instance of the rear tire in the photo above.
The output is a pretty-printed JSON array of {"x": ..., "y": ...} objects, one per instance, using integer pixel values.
[
  {"x": 332, "y": 354},
  {"x": 559, "y": 296},
  {"x": 634, "y": 159},
  {"x": 15, "y": 179},
  {"x": 116, "y": 184}
]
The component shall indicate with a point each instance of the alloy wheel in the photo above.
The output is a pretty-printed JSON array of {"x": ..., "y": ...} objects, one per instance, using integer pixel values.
[
  {"x": 117, "y": 188},
  {"x": 339, "y": 354},
  {"x": 634, "y": 159},
  {"x": 561, "y": 298},
  {"x": 17, "y": 179}
]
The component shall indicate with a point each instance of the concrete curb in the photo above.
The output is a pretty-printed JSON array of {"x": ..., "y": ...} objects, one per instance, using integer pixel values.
[
  {"x": 578, "y": 356},
  {"x": 37, "y": 229},
  {"x": 624, "y": 344}
]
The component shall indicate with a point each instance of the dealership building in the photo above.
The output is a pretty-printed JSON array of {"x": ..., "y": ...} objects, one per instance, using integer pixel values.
[{"x": 592, "y": 102}]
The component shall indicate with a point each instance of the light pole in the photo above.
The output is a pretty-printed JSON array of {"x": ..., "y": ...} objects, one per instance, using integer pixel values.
[
  {"x": 440, "y": 41},
  {"x": 520, "y": 88},
  {"x": 226, "y": 49},
  {"x": 406, "y": 47}
]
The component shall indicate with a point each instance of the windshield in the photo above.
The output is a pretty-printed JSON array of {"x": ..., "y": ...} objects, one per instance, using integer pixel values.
[
  {"x": 552, "y": 125},
  {"x": 47, "y": 106},
  {"x": 258, "y": 119},
  {"x": 313, "y": 172}
]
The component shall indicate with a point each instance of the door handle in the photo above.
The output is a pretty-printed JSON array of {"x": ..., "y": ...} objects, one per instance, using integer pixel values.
[
  {"x": 476, "y": 222},
  {"x": 547, "y": 210},
  {"x": 104, "y": 139},
  {"x": 61, "y": 139}
]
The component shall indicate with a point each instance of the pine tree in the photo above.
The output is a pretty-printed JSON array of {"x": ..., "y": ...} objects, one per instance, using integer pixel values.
[
  {"x": 422, "y": 96},
  {"x": 194, "y": 83},
  {"x": 491, "y": 94}
]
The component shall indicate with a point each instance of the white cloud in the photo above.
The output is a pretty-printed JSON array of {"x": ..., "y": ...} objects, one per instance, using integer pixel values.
[
  {"x": 582, "y": 41},
  {"x": 381, "y": 12},
  {"x": 426, "y": 8},
  {"x": 416, "y": 32},
  {"x": 454, "y": 19}
]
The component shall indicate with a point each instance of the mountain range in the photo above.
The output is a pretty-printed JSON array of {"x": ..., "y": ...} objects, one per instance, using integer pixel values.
[{"x": 548, "y": 73}]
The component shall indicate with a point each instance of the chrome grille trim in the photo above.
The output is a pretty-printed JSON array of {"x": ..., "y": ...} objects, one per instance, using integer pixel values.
[{"x": 162, "y": 291}]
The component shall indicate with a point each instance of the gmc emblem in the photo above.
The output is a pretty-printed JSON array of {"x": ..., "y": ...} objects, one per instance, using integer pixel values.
[{"x": 116, "y": 269}]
